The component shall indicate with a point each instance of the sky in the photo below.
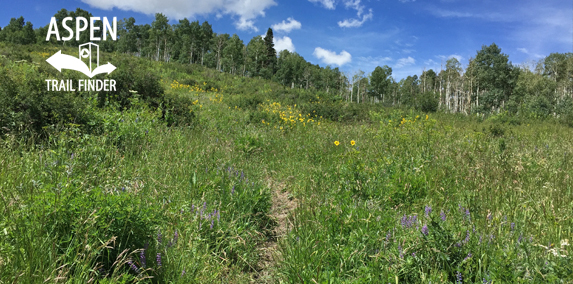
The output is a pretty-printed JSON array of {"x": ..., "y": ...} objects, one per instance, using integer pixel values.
[{"x": 408, "y": 35}]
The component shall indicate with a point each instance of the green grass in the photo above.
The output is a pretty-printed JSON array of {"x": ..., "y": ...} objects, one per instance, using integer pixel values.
[{"x": 86, "y": 201}]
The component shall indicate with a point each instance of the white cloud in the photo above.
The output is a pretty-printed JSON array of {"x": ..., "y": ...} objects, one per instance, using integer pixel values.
[
  {"x": 287, "y": 27},
  {"x": 283, "y": 43},
  {"x": 328, "y": 4},
  {"x": 244, "y": 25},
  {"x": 245, "y": 10},
  {"x": 330, "y": 57},
  {"x": 354, "y": 23},
  {"x": 355, "y": 4},
  {"x": 405, "y": 62},
  {"x": 530, "y": 54}
]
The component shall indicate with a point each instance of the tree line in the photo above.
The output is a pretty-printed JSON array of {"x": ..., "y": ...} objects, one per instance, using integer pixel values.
[{"x": 489, "y": 83}]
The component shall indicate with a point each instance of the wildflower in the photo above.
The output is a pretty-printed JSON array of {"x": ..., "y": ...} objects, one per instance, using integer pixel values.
[
  {"x": 468, "y": 257},
  {"x": 443, "y": 216},
  {"x": 159, "y": 237},
  {"x": 467, "y": 239},
  {"x": 183, "y": 273},
  {"x": 512, "y": 226},
  {"x": 459, "y": 277},
  {"x": 426, "y": 117},
  {"x": 425, "y": 230},
  {"x": 133, "y": 267},
  {"x": 428, "y": 210},
  {"x": 175, "y": 237},
  {"x": 336, "y": 143},
  {"x": 158, "y": 258},
  {"x": 142, "y": 258},
  {"x": 233, "y": 189},
  {"x": 352, "y": 142}
]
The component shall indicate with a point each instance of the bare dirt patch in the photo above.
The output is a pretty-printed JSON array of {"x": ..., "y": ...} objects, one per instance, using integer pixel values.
[{"x": 283, "y": 204}]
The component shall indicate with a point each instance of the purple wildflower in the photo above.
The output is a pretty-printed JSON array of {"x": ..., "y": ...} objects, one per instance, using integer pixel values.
[
  {"x": 159, "y": 237},
  {"x": 142, "y": 258},
  {"x": 233, "y": 190},
  {"x": 182, "y": 272},
  {"x": 388, "y": 236},
  {"x": 204, "y": 206},
  {"x": 468, "y": 213},
  {"x": 443, "y": 216},
  {"x": 414, "y": 254},
  {"x": 459, "y": 277},
  {"x": 425, "y": 230},
  {"x": 467, "y": 239},
  {"x": 158, "y": 258},
  {"x": 175, "y": 237},
  {"x": 512, "y": 226},
  {"x": 242, "y": 175},
  {"x": 468, "y": 257},
  {"x": 519, "y": 239},
  {"x": 428, "y": 210},
  {"x": 133, "y": 267},
  {"x": 400, "y": 250}
]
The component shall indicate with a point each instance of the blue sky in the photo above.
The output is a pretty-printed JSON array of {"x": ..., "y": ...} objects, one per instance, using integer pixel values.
[{"x": 407, "y": 35}]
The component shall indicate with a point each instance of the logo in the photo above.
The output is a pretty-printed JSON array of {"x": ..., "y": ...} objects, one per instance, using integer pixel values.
[
  {"x": 87, "y": 51},
  {"x": 63, "y": 61}
]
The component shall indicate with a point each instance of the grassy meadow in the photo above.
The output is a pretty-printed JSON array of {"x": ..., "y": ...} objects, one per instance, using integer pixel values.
[{"x": 226, "y": 179}]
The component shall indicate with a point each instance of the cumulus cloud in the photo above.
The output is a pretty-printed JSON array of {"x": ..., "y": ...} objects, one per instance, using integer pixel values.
[
  {"x": 286, "y": 27},
  {"x": 354, "y": 23},
  {"x": 405, "y": 62},
  {"x": 283, "y": 43},
  {"x": 328, "y": 4},
  {"x": 245, "y": 10},
  {"x": 330, "y": 57}
]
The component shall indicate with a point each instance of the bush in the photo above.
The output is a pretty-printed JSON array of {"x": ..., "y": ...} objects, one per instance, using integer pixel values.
[
  {"x": 131, "y": 78},
  {"x": 427, "y": 102}
]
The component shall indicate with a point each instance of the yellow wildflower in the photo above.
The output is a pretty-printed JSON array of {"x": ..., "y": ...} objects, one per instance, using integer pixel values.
[
  {"x": 352, "y": 142},
  {"x": 336, "y": 143}
]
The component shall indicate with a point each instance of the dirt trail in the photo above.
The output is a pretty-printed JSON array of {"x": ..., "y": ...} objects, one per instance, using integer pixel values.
[{"x": 282, "y": 206}]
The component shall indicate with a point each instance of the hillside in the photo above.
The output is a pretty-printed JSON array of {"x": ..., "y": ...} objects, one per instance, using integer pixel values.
[{"x": 191, "y": 175}]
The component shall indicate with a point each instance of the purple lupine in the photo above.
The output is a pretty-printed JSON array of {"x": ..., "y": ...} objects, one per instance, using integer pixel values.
[
  {"x": 468, "y": 257},
  {"x": 404, "y": 222},
  {"x": 467, "y": 239},
  {"x": 192, "y": 207},
  {"x": 425, "y": 230},
  {"x": 480, "y": 239},
  {"x": 443, "y": 216},
  {"x": 142, "y": 258},
  {"x": 459, "y": 277},
  {"x": 158, "y": 258},
  {"x": 242, "y": 175},
  {"x": 212, "y": 221},
  {"x": 133, "y": 267},
  {"x": 233, "y": 190},
  {"x": 428, "y": 210},
  {"x": 468, "y": 213}
]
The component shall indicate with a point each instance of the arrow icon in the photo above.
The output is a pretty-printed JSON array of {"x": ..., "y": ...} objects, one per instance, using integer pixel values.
[{"x": 63, "y": 61}]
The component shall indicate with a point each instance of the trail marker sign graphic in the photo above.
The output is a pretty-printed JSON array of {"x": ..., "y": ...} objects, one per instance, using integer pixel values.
[{"x": 63, "y": 61}]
